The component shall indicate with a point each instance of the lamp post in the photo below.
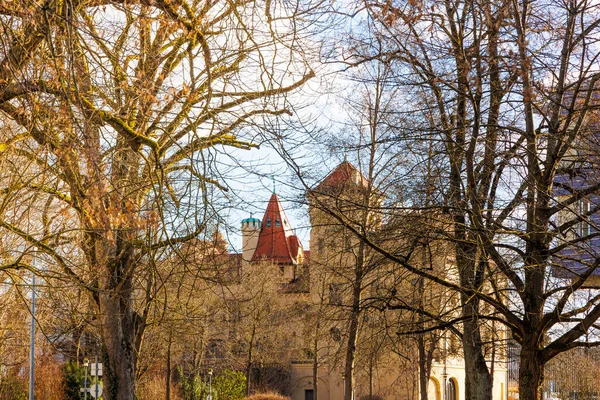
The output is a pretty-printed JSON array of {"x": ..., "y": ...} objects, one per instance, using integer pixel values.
[
  {"x": 86, "y": 362},
  {"x": 210, "y": 372}
]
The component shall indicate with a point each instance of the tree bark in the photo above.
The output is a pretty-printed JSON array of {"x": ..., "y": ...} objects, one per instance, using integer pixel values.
[
  {"x": 249, "y": 360},
  {"x": 531, "y": 372},
  {"x": 478, "y": 380},
  {"x": 168, "y": 371},
  {"x": 351, "y": 347},
  {"x": 424, "y": 371},
  {"x": 119, "y": 339}
]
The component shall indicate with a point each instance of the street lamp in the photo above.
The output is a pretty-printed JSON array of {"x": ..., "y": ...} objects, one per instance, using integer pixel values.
[
  {"x": 209, "y": 397},
  {"x": 86, "y": 362}
]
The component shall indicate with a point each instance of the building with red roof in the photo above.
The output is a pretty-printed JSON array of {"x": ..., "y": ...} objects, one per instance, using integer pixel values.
[
  {"x": 277, "y": 241},
  {"x": 273, "y": 240}
]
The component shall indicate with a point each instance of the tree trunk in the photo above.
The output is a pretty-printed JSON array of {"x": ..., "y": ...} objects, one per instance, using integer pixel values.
[
  {"x": 423, "y": 370},
  {"x": 168, "y": 371},
  {"x": 351, "y": 346},
  {"x": 119, "y": 336},
  {"x": 249, "y": 361},
  {"x": 371, "y": 379},
  {"x": 478, "y": 381},
  {"x": 316, "y": 363},
  {"x": 531, "y": 372}
]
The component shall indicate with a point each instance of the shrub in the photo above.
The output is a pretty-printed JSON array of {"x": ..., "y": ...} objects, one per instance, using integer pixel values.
[
  {"x": 154, "y": 388},
  {"x": 192, "y": 387},
  {"x": 13, "y": 387},
  {"x": 230, "y": 385},
  {"x": 73, "y": 377},
  {"x": 49, "y": 380}
]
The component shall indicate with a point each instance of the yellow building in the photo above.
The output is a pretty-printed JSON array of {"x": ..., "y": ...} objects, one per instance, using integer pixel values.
[{"x": 352, "y": 294}]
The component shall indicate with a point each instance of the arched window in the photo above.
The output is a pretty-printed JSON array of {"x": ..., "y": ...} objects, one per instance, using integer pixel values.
[
  {"x": 268, "y": 221},
  {"x": 451, "y": 390}
]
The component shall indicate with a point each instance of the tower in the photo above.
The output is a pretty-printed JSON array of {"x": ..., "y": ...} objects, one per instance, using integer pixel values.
[{"x": 250, "y": 234}]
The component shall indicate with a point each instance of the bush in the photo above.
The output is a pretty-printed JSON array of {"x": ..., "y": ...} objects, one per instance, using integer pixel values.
[
  {"x": 13, "y": 388},
  {"x": 154, "y": 388},
  {"x": 49, "y": 379},
  {"x": 192, "y": 387},
  {"x": 73, "y": 377},
  {"x": 230, "y": 385}
]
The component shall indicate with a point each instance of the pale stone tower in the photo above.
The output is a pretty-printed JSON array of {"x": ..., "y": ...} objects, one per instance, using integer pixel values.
[{"x": 250, "y": 234}]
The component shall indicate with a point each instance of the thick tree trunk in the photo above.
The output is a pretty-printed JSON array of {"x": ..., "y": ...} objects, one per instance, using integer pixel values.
[
  {"x": 119, "y": 338},
  {"x": 478, "y": 380},
  {"x": 423, "y": 371},
  {"x": 531, "y": 372}
]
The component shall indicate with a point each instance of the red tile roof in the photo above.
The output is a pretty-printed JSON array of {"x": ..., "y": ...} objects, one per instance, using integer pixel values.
[
  {"x": 344, "y": 174},
  {"x": 276, "y": 241}
]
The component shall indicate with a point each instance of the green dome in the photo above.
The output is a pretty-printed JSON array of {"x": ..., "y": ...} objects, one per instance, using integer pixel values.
[{"x": 251, "y": 220}]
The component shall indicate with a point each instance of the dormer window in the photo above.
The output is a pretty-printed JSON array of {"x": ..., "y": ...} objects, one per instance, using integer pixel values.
[
  {"x": 268, "y": 221},
  {"x": 277, "y": 223}
]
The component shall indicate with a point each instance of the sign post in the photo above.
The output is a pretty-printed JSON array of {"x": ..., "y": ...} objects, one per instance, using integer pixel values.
[{"x": 96, "y": 389}]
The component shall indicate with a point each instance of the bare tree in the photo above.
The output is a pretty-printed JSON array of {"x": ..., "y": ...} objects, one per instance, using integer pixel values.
[
  {"x": 507, "y": 92},
  {"x": 117, "y": 111}
]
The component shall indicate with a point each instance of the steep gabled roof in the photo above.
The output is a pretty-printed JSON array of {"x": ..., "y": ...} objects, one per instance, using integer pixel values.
[
  {"x": 277, "y": 241},
  {"x": 343, "y": 175}
]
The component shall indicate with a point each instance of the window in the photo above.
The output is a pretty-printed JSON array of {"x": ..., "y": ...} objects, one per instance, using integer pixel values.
[
  {"x": 335, "y": 333},
  {"x": 348, "y": 245},
  {"x": 215, "y": 349},
  {"x": 584, "y": 228},
  {"x": 277, "y": 223},
  {"x": 234, "y": 311},
  {"x": 335, "y": 294},
  {"x": 321, "y": 244},
  {"x": 268, "y": 221},
  {"x": 308, "y": 394},
  {"x": 451, "y": 390}
]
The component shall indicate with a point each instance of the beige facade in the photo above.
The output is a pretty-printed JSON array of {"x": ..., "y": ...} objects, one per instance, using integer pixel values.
[{"x": 326, "y": 280}]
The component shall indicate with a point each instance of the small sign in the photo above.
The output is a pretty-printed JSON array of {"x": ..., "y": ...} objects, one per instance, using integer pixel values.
[
  {"x": 96, "y": 369},
  {"x": 96, "y": 390}
]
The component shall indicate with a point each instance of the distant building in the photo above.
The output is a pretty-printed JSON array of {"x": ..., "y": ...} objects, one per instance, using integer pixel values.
[{"x": 316, "y": 277}]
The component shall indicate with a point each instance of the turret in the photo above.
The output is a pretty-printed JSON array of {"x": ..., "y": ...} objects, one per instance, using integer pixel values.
[{"x": 250, "y": 233}]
